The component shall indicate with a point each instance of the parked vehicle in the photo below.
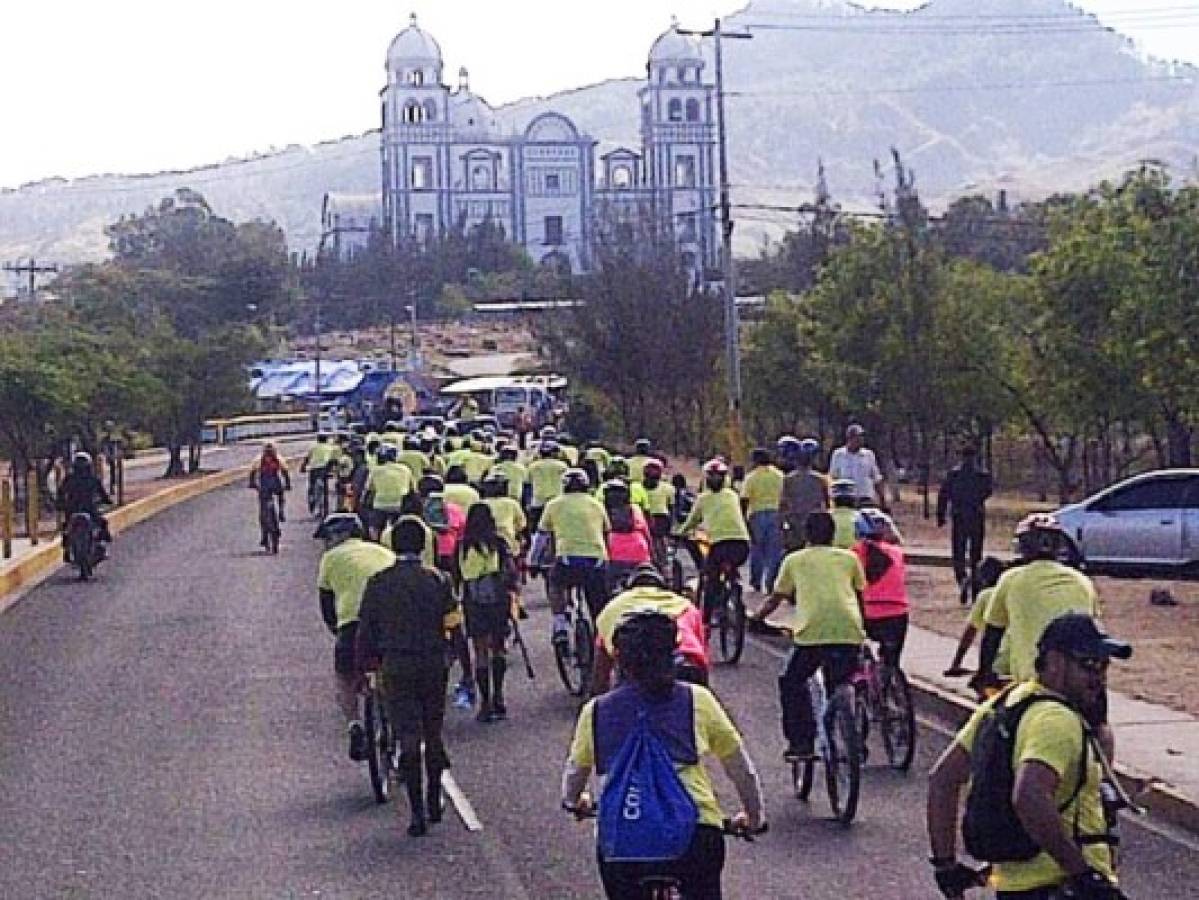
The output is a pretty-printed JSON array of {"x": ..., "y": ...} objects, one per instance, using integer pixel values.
[{"x": 1148, "y": 521}]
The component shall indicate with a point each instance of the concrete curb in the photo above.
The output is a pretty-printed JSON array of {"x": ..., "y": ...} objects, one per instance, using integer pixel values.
[{"x": 33, "y": 568}]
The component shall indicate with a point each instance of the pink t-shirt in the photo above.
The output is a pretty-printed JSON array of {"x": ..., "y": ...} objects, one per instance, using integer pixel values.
[
  {"x": 447, "y": 541},
  {"x": 888, "y": 596},
  {"x": 632, "y": 547}
]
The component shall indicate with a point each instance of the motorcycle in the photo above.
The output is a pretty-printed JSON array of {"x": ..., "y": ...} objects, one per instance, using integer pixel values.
[{"x": 85, "y": 550}]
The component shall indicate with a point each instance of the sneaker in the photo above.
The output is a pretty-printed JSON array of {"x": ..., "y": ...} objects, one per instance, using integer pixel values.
[
  {"x": 499, "y": 712},
  {"x": 464, "y": 697},
  {"x": 485, "y": 715},
  {"x": 357, "y": 741}
]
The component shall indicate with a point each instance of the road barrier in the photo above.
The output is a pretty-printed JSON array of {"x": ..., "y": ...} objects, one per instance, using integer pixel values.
[
  {"x": 240, "y": 428},
  {"x": 6, "y": 519}
]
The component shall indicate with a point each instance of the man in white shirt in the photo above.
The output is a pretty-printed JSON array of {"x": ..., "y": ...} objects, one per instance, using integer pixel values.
[{"x": 855, "y": 462}]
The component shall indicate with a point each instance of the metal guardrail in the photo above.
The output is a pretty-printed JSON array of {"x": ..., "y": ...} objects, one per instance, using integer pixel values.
[{"x": 240, "y": 428}]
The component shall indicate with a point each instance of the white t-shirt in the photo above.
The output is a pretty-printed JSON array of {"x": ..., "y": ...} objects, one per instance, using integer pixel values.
[{"x": 861, "y": 468}]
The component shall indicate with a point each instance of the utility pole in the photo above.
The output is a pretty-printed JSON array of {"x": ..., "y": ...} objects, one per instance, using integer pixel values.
[
  {"x": 32, "y": 269},
  {"x": 732, "y": 326}
]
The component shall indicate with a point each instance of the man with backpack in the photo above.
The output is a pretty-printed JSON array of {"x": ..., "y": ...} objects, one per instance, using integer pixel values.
[
  {"x": 658, "y": 814},
  {"x": 1035, "y": 769}
]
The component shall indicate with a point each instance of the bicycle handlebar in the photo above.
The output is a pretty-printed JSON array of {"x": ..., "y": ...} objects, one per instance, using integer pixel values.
[{"x": 728, "y": 826}]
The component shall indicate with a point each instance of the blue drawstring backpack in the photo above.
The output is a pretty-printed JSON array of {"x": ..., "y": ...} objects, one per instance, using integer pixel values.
[{"x": 645, "y": 812}]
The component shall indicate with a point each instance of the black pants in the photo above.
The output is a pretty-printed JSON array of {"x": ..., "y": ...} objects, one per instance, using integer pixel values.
[
  {"x": 966, "y": 535},
  {"x": 414, "y": 691},
  {"x": 592, "y": 579},
  {"x": 723, "y": 556},
  {"x": 1049, "y": 893},
  {"x": 890, "y": 633},
  {"x": 837, "y": 662},
  {"x": 697, "y": 871}
]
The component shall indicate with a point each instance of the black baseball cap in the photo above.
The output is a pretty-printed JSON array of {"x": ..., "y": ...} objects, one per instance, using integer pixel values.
[{"x": 1079, "y": 635}]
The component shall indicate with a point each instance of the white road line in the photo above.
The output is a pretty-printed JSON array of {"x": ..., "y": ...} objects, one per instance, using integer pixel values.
[{"x": 462, "y": 805}]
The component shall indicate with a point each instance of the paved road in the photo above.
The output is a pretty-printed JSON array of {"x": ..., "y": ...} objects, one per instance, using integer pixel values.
[{"x": 168, "y": 731}]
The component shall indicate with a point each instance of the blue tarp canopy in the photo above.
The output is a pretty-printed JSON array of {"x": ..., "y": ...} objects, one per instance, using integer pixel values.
[{"x": 298, "y": 379}]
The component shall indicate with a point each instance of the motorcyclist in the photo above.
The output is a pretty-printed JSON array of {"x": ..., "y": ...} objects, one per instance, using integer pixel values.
[{"x": 82, "y": 492}]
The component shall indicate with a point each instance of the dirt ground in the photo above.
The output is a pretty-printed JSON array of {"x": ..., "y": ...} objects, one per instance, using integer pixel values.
[{"x": 1165, "y": 661}]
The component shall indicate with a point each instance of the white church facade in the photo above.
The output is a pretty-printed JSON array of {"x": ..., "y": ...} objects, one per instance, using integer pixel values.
[{"x": 446, "y": 162}]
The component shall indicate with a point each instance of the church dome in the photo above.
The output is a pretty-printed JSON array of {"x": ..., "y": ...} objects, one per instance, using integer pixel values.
[
  {"x": 414, "y": 45},
  {"x": 672, "y": 47}
]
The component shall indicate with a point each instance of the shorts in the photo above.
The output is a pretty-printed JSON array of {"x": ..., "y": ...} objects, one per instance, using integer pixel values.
[
  {"x": 486, "y": 620},
  {"x": 343, "y": 649}
]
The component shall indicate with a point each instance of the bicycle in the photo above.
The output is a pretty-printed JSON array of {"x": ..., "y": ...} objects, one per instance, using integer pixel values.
[
  {"x": 727, "y": 615},
  {"x": 839, "y": 747},
  {"x": 882, "y": 695},
  {"x": 318, "y": 494},
  {"x": 575, "y": 657},
  {"x": 380, "y": 741},
  {"x": 667, "y": 887},
  {"x": 268, "y": 521},
  {"x": 672, "y": 566}
]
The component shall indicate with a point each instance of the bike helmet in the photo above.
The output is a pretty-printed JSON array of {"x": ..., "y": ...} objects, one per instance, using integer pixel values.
[
  {"x": 81, "y": 460},
  {"x": 647, "y": 575},
  {"x": 872, "y": 524},
  {"x": 642, "y": 446},
  {"x": 616, "y": 492},
  {"x": 1039, "y": 535},
  {"x": 549, "y": 433},
  {"x": 646, "y": 639},
  {"x": 618, "y": 467},
  {"x": 387, "y": 453},
  {"x": 340, "y": 525},
  {"x": 575, "y": 481},
  {"x": 843, "y": 488},
  {"x": 716, "y": 467},
  {"x": 653, "y": 468},
  {"x": 549, "y": 449}
]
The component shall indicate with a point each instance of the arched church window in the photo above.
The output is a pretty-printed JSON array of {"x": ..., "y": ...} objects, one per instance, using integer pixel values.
[
  {"x": 674, "y": 110},
  {"x": 414, "y": 113},
  {"x": 416, "y": 77},
  {"x": 692, "y": 110}
]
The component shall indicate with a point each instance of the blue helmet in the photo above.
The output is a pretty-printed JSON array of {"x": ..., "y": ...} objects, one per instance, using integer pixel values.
[{"x": 872, "y": 524}]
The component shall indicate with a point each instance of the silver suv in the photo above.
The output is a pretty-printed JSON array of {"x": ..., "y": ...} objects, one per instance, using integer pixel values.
[{"x": 1150, "y": 520}]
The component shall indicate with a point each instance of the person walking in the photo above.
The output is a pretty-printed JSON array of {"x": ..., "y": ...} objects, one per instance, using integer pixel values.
[
  {"x": 760, "y": 496},
  {"x": 856, "y": 462},
  {"x": 963, "y": 495},
  {"x": 401, "y": 627}
]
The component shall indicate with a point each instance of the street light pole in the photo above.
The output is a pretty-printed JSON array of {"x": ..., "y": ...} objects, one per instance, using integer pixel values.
[{"x": 732, "y": 327}]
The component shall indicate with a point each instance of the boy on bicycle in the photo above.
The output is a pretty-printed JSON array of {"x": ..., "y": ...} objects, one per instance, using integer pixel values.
[{"x": 718, "y": 511}]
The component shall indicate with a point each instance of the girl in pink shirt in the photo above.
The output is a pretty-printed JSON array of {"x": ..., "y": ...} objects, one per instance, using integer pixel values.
[
  {"x": 629, "y": 541},
  {"x": 886, "y": 595}
]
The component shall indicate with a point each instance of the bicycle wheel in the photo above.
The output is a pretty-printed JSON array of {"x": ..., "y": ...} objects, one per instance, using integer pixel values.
[
  {"x": 732, "y": 625},
  {"x": 677, "y": 582},
  {"x": 584, "y": 640},
  {"x": 861, "y": 712},
  {"x": 898, "y": 721},
  {"x": 843, "y": 760},
  {"x": 564, "y": 659},
  {"x": 377, "y": 750},
  {"x": 271, "y": 526}
]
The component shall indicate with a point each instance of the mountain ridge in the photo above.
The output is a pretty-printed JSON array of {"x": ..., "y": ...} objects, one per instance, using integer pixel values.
[{"x": 971, "y": 106}]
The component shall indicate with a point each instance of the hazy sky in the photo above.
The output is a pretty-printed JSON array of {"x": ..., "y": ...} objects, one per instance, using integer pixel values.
[{"x": 93, "y": 86}]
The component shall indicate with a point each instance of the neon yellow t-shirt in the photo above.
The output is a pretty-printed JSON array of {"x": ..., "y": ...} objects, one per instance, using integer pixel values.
[
  {"x": 571, "y": 454},
  {"x": 1050, "y": 733},
  {"x": 458, "y": 458},
  {"x": 320, "y": 456},
  {"x": 461, "y": 495},
  {"x": 474, "y": 564},
  {"x": 428, "y": 555},
  {"x": 546, "y": 477},
  {"x": 978, "y": 621},
  {"x": 844, "y": 519},
  {"x": 346, "y": 569},
  {"x": 579, "y": 524},
  {"x": 509, "y": 520},
  {"x": 391, "y": 483},
  {"x": 661, "y": 498},
  {"x": 715, "y": 735},
  {"x": 640, "y": 597},
  {"x": 762, "y": 489},
  {"x": 516, "y": 475},
  {"x": 823, "y": 583},
  {"x": 477, "y": 465},
  {"x": 416, "y": 462},
  {"x": 719, "y": 512},
  {"x": 1029, "y": 597},
  {"x": 637, "y": 467},
  {"x": 599, "y": 456}
]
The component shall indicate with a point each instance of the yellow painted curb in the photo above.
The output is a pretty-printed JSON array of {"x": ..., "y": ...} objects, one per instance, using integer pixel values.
[{"x": 36, "y": 565}]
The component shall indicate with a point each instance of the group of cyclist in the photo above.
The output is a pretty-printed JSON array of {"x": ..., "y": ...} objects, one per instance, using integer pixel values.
[{"x": 480, "y": 515}]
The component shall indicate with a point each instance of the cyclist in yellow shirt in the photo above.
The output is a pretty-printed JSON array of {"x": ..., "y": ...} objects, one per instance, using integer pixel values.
[
  {"x": 660, "y": 496},
  {"x": 347, "y": 565},
  {"x": 386, "y": 487},
  {"x": 579, "y": 526},
  {"x": 825, "y": 584},
  {"x": 760, "y": 495},
  {"x": 642, "y": 450},
  {"x": 718, "y": 511},
  {"x": 513, "y": 471},
  {"x": 316, "y": 464},
  {"x": 545, "y": 477},
  {"x": 509, "y": 518}
]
